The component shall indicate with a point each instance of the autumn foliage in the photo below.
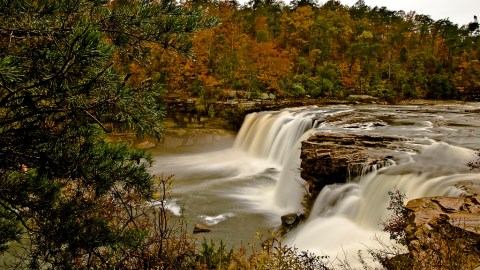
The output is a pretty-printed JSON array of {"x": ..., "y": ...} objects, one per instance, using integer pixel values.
[{"x": 328, "y": 50}]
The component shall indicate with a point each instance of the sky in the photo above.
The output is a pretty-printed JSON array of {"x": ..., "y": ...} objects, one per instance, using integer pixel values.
[{"x": 458, "y": 11}]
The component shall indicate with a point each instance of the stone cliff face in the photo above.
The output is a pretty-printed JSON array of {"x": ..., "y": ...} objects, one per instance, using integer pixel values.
[
  {"x": 444, "y": 232},
  {"x": 228, "y": 114},
  {"x": 329, "y": 158}
]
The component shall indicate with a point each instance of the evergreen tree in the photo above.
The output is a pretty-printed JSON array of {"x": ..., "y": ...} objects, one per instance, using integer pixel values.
[
  {"x": 63, "y": 186},
  {"x": 301, "y": 3}
]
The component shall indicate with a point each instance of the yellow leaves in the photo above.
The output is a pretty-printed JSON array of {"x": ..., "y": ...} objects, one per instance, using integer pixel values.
[
  {"x": 366, "y": 35},
  {"x": 209, "y": 81},
  {"x": 261, "y": 23},
  {"x": 314, "y": 53},
  {"x": 302, "y": 18},
  {"x": 156, "y": 196},
  {"x": 297, "y": 25}
]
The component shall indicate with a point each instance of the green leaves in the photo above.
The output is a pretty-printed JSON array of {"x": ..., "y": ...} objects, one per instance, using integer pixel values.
[
  {"x": 9, "y": 228},
  {"x": 59, "y": 96},
  {"x": 10, "y": 72},
  {"x": 167, "y": 24}
]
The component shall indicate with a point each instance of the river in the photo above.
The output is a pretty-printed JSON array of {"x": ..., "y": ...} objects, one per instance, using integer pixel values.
[{"x": 247, "y": 185}]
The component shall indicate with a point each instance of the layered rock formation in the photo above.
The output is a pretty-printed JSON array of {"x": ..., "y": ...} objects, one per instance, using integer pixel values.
[
  {"x": 444, "y": 232},
  {"x": 329, "y": 158}
]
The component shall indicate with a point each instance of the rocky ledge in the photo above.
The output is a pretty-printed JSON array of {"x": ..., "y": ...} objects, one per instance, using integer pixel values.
[
  {"x": 445, "y": 232},
  {"x": 329, "y": 158}
]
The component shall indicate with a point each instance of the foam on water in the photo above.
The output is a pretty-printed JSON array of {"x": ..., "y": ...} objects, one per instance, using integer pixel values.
[
  {"x": 214, "y": 220},
  {"x": 170, "y": 205}
]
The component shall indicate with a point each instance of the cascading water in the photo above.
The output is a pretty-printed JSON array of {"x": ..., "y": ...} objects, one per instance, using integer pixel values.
[
  {"x": 276, "y": 137},
  {"x": 245, "y": 188},
  {"x": 260, "y": 170},
  {"x": 346, "y": 217},
  {"x": 272, "y": 135}
]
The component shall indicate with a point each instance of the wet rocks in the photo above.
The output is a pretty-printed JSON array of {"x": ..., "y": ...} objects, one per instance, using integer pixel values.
[
  {"x": 201, "y": 228},
  {"x": 290, "y": 220},
  {"x": 329, "y": 158},
  {"x": 462, "y": 212}
]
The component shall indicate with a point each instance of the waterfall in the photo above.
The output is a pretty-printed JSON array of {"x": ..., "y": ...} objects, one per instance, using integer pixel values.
[
  {"x": 276, "y": 137},
  {"x": 362, "y": 169},
  {"x": 346, "y": 217},
  {"x": 272, "y": 135},
  {"x": 290, "y": 188},
  {"x": 243, "y": 189}
]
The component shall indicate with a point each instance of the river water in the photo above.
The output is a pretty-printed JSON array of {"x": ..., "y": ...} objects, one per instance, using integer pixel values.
[{"x": 248, "y": 184}]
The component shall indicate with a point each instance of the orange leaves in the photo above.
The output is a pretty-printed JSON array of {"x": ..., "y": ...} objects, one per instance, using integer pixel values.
[
  {"x": 263, "y": 49},
  {"x": 137, "y": 74},
  {"x": 350, "y": 74},
  {"x": 349, "y": 81},
  {"x": 270, "y": 64}
]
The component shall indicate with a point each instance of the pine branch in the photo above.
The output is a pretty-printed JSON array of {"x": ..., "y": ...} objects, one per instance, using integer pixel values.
[
  {"x": 7, "y": 122},
  {"x": 98, "y": 122},
  {"x": 17, "y": 214}
]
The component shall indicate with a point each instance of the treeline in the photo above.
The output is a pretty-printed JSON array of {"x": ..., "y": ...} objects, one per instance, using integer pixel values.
[{"x": 267, "y": 48}]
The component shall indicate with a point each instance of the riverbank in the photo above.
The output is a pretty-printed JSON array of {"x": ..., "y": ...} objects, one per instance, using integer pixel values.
[
  {"x": 187, "y": 123},
  {"x": 230, "y": 114}
]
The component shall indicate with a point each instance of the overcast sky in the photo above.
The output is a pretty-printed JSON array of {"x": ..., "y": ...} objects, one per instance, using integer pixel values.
[{"x": 458, "y": 11}]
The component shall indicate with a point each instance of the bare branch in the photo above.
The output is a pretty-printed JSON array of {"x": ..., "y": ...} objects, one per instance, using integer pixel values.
[{"x": 98, "y": 122}]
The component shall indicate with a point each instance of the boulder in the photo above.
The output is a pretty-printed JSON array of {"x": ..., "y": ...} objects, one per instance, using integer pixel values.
[
  {"x": 290, "y": 220},
  {"x": 201, "y": 228}
]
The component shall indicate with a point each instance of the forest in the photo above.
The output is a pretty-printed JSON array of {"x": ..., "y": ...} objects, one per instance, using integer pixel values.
[
  {"x": 73, "y": 72},
  {"x": 328, "y": 50}
]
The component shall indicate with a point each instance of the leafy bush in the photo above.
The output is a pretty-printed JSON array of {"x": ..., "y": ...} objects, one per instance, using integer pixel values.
[{"x": 210, "y": 257}]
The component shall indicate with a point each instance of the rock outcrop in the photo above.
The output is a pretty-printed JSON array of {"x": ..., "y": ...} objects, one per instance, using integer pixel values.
[
  {"x": 329, "y": 158},
  {"x": 201, "y": 228},
  {"x": 444, "y": 232},
  {"x": 290, "y": 220},
  {"x": 145, "y": 145},
  {"x": 229, "y": 114}
]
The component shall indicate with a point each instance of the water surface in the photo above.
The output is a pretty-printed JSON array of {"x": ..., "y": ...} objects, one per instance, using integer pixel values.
[{"x": 248, "y": 184}]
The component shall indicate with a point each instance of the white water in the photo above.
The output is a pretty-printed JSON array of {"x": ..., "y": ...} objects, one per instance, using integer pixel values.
[
  {"x": 214, "y": 220},
  {"x": 271, "y": 136},
  {"x": 247, "y": 187},
  {"x": 257, "y": 176},
  {"x": 276, "y": 137},
  {"x": 346, "y": 217},
  {"x": 170, "y": 205}
]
